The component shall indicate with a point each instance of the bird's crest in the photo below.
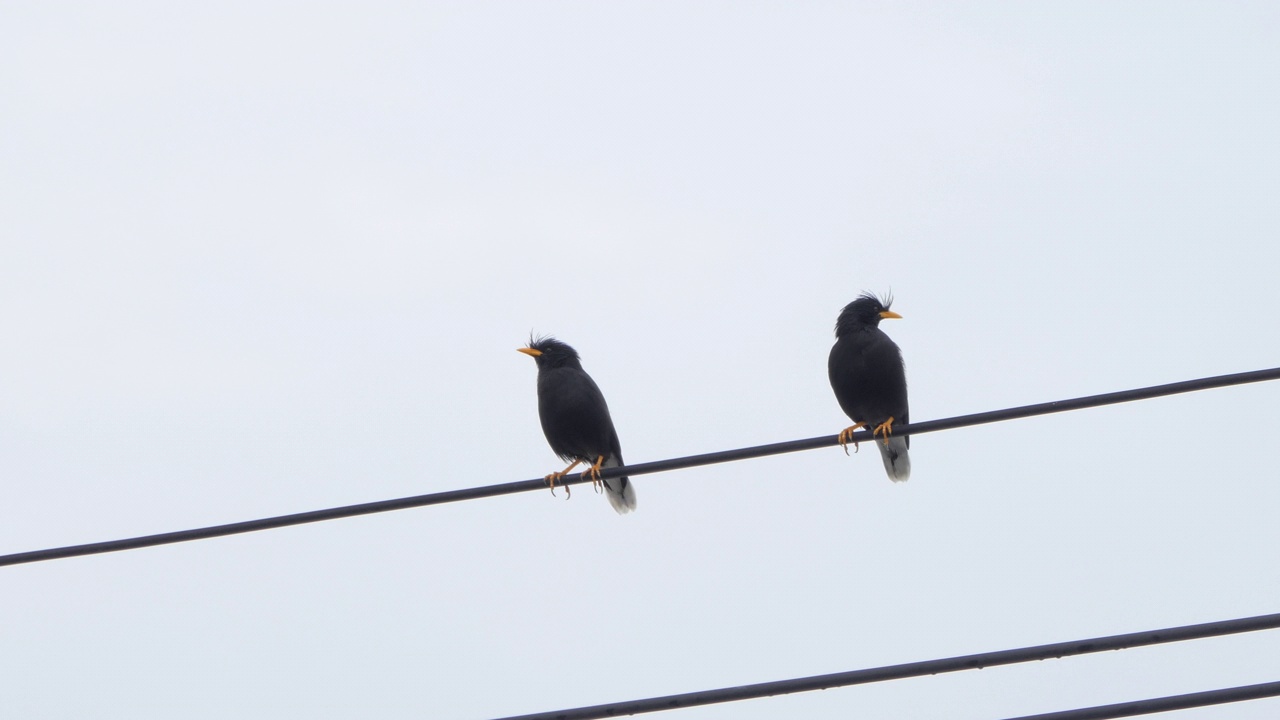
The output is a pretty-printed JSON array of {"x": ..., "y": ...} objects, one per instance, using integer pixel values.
[
  {"x": 553, "y": 352},
  {"x": 862, "y": 312},
  {"x": 884, "y": 302}
]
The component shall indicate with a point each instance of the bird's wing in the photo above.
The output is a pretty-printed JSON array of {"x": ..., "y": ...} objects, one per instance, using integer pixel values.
[
  {"x": 576, "y": 417},
  {"x": 868, "y": 378}
]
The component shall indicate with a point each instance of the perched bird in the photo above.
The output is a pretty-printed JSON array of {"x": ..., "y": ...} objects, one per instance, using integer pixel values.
[
  {"x": 576, "y": 420},
  {"x": 865, "y": 368}
]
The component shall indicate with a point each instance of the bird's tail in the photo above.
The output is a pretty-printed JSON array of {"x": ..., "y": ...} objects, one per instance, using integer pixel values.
[
  {"x": 896, "y": 461},
  {"x": 620, "y": 491}
]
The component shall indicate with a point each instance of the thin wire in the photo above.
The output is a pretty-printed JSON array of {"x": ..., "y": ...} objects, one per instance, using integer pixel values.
[
  {"x": 484, "y": 491},
  {"x": 915, "y": 669},
  {"x": 1163, "y": 704}
]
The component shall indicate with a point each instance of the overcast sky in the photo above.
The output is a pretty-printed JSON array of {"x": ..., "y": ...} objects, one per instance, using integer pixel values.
[{"x": 268, "y": 257}]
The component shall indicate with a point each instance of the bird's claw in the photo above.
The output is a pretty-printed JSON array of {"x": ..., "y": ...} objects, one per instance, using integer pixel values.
[
  {"x": 884, "y": 429},
  {"x": 593, "y": 473},
  {"x": 556, "y": 476},
  {"x": 551, "y": 483},
  {"x": 846, "y": 436}
]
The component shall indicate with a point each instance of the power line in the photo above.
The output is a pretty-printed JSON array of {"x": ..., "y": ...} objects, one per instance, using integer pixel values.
[
  {"x": 918, "y": 669},
  {"x": 1163, "y": 704},
  {"x": 475, "y": 493}
]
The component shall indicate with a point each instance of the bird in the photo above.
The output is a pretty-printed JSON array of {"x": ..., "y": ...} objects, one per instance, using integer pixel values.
[
  {"x": 576, "y": 421},
  {"x": 870, "y": 383}
]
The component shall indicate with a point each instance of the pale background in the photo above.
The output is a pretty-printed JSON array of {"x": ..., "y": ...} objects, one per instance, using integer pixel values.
[{"x": 265, "y": 257}]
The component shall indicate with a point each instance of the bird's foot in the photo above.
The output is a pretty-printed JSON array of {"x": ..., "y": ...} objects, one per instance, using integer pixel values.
[
  {"x": 554, "y": 477},
  {"x": 846, "y": 436},
  {"x": 593, "y": 472},
  {"x": 884, "y": 429}
]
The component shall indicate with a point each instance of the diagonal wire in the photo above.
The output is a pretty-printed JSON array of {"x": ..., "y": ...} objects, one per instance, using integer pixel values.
[
  {"x": 915, "y": 669},
  {"x": 1163, "y": 704},
  {"x": 484, "y": 491}
]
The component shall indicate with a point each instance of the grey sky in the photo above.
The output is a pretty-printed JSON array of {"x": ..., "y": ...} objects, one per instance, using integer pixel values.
[{"x": 259, "y": 258}]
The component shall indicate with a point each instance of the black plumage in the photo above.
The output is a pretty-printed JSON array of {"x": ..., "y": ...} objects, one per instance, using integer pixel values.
[
  {"x": 867, "y": 375},
  {"x": 575, "y": 419}
]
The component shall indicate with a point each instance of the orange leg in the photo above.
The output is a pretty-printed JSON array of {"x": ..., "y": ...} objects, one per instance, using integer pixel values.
[
  {"x": 553, "y": 477},
  {"x": 884, "y": 429},
  {"x": 594, "y": 473},
  {"x": 846, "y": 436}
]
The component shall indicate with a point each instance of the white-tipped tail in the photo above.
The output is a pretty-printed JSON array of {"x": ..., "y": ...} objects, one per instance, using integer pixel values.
[
  {"x": 896, "y": 461},
  {"x": 620, "y": 491}
]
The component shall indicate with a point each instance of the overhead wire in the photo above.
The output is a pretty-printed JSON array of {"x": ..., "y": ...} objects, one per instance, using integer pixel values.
[
  {"x": 1163, "y": 704},
  {"x": 918, "y": 669},
  {"x": 474, "y": 493}
]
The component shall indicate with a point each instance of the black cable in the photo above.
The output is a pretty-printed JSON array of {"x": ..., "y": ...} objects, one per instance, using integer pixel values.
[
  {"x": 641, "y": 469},
  {"x": 959, "y": 421},
  {"x": 1164, "y": 704},
  {"x": 915, "y": 669}
]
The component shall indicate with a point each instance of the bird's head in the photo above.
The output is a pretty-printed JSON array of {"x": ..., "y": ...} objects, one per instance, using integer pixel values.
[
  {"x": 550, "y": 353},
  {"x": 867, "y": 311}
]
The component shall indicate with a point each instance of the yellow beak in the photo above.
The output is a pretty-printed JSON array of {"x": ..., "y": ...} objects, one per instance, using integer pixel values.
[
  {"x": 529, "y": 351},
  {"x": 890, "y": 315}
]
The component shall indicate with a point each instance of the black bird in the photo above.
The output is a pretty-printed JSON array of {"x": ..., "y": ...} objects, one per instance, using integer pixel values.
[
  {"x": 576, "y": 419},
  {"x": 866, "y": 373}
]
